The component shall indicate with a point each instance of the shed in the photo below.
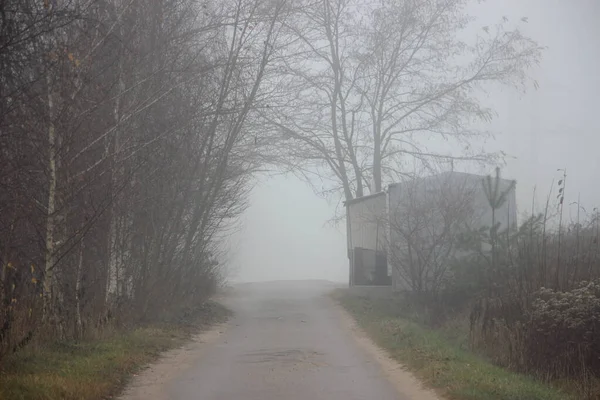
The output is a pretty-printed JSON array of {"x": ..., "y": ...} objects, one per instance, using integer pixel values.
[{"x": 366, "y": 235}]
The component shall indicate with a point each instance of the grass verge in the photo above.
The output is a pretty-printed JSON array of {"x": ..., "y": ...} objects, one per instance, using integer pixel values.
[
  {"x": 98, "y": 369},
  {"x": 440, "y": 362}
]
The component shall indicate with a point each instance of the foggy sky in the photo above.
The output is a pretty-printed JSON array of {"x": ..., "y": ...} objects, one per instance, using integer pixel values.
[{"x": 284, "y": 234}]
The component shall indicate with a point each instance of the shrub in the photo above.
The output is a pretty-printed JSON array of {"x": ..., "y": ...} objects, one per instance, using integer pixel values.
[{"x": 563, "y": 335}]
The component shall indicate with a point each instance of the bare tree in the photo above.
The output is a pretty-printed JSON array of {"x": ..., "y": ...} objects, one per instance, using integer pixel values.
[
  {"x": 367, "y": 84},
  {"x": 426, "y": 219},
  {"x": 125, "y": 154}
]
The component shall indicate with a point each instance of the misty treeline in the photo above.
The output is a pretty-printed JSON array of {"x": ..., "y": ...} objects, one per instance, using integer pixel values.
[
  {"x": 130, "y": 131},
  {"x": 528, "y": 295},
  {"x": 123, "y": 155}
]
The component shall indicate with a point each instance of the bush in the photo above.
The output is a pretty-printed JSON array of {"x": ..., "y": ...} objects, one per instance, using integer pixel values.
[
  {"x": 20, "y": 307},
  {"x": 563, "y": 335}
]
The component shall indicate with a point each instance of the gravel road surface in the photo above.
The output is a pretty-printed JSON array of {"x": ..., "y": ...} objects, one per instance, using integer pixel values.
[{"x": 287, "y": 341}]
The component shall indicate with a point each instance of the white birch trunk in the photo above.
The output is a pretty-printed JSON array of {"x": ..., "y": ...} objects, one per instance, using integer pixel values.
[
  {"x": 51, "y": 217},
  {"x": 78, "y": 289},
  {"x": 113, "y": 283}
]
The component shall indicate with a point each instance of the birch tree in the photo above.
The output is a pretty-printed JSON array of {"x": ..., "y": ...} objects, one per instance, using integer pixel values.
[{"x": 127, "y": 153}]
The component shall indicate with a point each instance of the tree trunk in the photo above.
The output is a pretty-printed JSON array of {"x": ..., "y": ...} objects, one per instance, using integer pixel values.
[
  {"x": 51, "y": 217},
  {"x": 79, "y": 322},
  {"x": 112, "y": 147},
  {"x": 377, "y": 163}
]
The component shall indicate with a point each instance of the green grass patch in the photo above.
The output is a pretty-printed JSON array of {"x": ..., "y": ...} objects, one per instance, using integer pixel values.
[
  {"x": 98, "y": 369},
  {"x": 439, "y": 358}
]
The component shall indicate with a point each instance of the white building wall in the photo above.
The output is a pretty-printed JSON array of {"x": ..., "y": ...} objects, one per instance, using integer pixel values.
[
  {"x": 367, "y": 221},
  {"x": 453, "y": 185},
  {"x": 366, "y": 229}
]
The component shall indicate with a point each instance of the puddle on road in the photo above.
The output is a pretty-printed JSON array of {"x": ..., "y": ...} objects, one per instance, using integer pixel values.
[
  {"x": 297, "y": 317},
  {"x": 285, "y": 358}
]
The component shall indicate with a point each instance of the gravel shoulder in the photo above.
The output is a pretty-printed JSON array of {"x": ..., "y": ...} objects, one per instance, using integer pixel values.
[
  {"x": 150, "y": 383},
  {"x": 406, "y": 383}
]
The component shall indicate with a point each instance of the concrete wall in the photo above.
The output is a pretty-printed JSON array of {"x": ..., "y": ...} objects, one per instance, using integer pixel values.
[
  {"x": 458, "y": 186},
  {"x": 424, "y": 197}
]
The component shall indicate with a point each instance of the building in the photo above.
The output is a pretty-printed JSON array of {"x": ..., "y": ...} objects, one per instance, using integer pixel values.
[
  {"x": 408, "y": 236},
  {"x": 366, "y": 234}
]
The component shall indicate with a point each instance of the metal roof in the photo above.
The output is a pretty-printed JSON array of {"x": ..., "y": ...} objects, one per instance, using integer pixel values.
[{"x": 363, "y": 198}]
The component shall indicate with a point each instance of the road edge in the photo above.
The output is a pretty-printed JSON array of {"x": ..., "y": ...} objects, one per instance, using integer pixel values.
[
  {"x": 151, "y": 383},
  {"x": 406, "y": 384}
]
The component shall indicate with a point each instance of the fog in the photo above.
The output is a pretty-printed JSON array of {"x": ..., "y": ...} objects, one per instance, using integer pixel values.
[
  {"x": 284, "y": 234},
  {"x": 155, "y": 152}
]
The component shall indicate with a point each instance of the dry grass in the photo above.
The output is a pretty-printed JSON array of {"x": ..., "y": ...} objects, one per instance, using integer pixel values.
[
  {"x": 442, "y": 362},
  {"x": 95, "y": 369}
]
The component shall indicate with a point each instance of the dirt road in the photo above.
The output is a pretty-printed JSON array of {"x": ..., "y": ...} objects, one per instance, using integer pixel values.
[{"x": 287, "y": 341}]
